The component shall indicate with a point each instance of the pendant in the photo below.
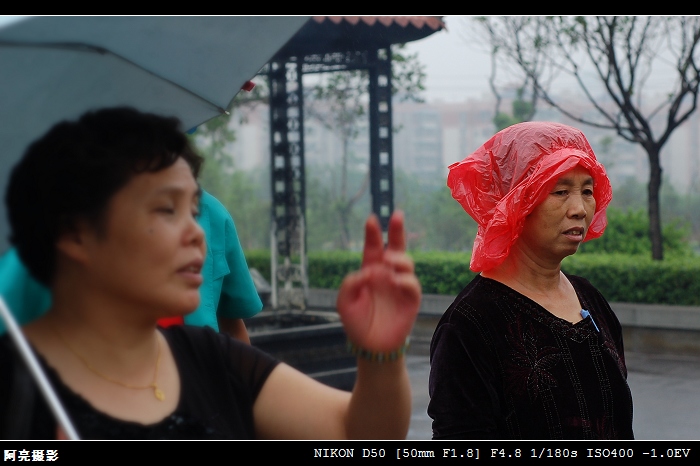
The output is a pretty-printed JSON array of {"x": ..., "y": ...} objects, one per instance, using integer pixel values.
[{"x": 160, "y": 396}]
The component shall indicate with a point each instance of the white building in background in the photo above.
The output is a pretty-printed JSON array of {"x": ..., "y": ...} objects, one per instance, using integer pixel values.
[
  {"x": 418, "y": 141},
  {"x": 251, "y": 149},
  {"x": 430, "y": 137}
]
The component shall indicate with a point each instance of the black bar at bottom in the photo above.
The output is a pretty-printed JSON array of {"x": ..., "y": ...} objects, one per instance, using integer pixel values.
[{"x": 356, "y": 451}]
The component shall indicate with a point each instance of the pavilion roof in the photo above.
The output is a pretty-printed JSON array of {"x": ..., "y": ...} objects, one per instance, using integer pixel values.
[{"x": 324, "y": 34}]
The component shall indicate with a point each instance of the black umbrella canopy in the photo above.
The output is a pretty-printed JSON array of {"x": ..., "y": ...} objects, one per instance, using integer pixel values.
[{"x": 57, "y": 67}]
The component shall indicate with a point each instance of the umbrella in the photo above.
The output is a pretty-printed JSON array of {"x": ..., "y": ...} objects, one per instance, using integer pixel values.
[
  {"x": 35, "y": 370},
  {"x": 58, "y": 67}
]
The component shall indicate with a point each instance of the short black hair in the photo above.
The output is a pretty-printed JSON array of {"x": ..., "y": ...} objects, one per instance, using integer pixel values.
[{"x": 72, "y": 172}]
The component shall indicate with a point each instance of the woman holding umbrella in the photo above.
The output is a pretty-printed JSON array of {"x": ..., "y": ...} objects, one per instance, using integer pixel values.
[
  {"x": 104, "y": 212},
  {"x": 526, "y": 350}
]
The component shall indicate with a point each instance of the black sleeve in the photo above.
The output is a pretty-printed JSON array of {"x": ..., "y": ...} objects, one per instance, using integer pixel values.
[
  {"x": 221, "y": 378},
  {"x": 253, "y": 364},
  {"x": 464, "y": 402},
  {"x": 202, "y": 352},
  {"x": 23, "y": 411}
]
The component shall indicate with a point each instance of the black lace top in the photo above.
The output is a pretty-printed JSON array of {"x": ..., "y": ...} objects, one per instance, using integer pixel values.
[
  {"x": 220, "y": 379},
  {"x": 503, "y": 367}
]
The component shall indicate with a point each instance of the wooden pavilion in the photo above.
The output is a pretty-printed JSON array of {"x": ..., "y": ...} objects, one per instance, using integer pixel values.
[{"x": 328, "y": 44}]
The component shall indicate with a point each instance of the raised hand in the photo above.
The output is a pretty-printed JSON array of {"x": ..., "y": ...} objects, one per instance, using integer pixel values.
[{"x": 378, "y": 304}]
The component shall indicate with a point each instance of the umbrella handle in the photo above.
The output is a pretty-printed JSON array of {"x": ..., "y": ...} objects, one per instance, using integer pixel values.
[{"x": 36, "y": 371}]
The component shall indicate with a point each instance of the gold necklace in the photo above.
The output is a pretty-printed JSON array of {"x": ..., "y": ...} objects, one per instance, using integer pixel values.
[{"x": 157, "y": 392}]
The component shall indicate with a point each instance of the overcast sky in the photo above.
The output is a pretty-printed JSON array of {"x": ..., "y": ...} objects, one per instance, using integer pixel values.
[
  {"x": 457, "y": 67},
  {"x": 457, "y": 63}
]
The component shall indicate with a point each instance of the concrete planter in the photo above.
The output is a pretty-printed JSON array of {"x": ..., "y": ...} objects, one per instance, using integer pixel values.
[{"x": 311, "y": 341}]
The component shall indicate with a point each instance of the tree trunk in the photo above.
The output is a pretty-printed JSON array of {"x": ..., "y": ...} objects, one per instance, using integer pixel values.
[
  {"x": 343, "y": 219},
  {"x": 657, "y": 246}
]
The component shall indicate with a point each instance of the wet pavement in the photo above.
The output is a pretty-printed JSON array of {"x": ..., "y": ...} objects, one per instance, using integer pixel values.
[{"x": 665, "y": 391}]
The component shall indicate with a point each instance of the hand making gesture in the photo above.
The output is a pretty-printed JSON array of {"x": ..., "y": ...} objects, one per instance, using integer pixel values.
[{"x": 378, "y": 304}]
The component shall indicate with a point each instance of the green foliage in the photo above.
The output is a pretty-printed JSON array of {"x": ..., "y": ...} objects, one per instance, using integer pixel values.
[
  {"x": 630, "y": 195},
  {"x": 210, "y": 139},
  {"x": 521, "y": 110},
  {"x": 679, "y": 211},
  {"x": 323, "y": 209},
  {"x": 434, "y": 220},
  {"x": 503, "y": 120},
  {"x": 439, "y": 272},
  {"x": 449, "y": 227},
  {"x": 328, "y": 268},
  {"x": 244, "y": 194},
  {"x": 259, "y": 259},
  {"x": 339, "y": 101},
  {"x": 619, "y": 277},
  {"x": 628, "y": 233},
  {"x": 638, "y": 278},
  {"x": 246, "y": 198},
  {"x": 442, "y": 272},
  {"x": 407, "y": 74}
]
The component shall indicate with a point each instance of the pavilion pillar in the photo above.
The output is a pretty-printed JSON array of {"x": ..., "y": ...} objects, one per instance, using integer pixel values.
[
  {"x": 381, "y": 159},
  {"x": 288, "y": 230}
]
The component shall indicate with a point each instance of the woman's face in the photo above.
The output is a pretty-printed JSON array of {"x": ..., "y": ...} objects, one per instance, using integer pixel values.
[
  {"x": 558, "y": 225},
  {"x": 151, "y": 249}
]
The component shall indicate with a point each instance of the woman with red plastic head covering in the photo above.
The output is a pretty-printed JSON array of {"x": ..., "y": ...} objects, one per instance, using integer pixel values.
[{"x": 525, "y": 350}]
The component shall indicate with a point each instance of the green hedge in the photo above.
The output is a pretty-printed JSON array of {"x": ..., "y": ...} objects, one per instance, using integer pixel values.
[
  {"x": 639, "y": 279},
  {"x": 259, "y": 260},
  {"x": 443, "y": 272},
  {"x": 621, "y": 278},
  {"x": 325, "y": 269}
]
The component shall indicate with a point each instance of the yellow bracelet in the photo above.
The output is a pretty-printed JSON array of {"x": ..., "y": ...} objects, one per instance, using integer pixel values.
[{"x": 378, "y": 356}]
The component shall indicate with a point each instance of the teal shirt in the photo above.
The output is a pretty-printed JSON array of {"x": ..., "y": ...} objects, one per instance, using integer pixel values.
[
  {"x": 227, "y": 291},
  {"x": 26, "y": 297}
]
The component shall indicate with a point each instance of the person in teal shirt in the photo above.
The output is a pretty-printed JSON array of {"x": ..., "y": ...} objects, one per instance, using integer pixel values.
[{"x": 228, "y": 294}]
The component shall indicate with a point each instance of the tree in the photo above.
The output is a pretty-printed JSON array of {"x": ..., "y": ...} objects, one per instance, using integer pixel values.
[
  {"x": 521, "y": 85},
  {"x": 524, "y": 103},
  {"x": 339, "y": 101},
  {"x": 522, "y": 109},
  {"x": 324, "y": 232},
  {"x": 626, "y": 233},
  {"x": 621, "y": 52},
  {"x": 434, "y": 221},
  {"x": 244, "y": 194}
]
